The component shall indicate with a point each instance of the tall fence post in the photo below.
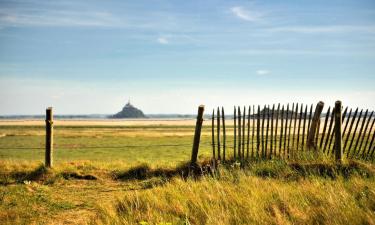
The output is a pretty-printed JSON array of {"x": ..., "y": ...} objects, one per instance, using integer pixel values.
[
  {"x": 338, "y": 136},
  {"x": 314, "y": 124},
  {"x": 224, "y": 132},
  {"x": 197, "y": 135},
  {"x": 49, "y": 138},
  {"x": 218, "y": 134}
]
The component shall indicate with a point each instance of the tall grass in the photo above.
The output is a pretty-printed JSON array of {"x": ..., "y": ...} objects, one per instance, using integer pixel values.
[{"x": 250, "y": 197}]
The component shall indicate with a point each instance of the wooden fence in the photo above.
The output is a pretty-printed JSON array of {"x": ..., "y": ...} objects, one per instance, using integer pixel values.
[
  {"x": 283, "y": 131},
  {"x": 280, "y": 131}
]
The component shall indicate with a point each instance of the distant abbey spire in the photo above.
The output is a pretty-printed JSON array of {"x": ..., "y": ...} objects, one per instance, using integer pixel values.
[
  {"x": 129, "y": 111},
  {"x": 129, "y": 104}
]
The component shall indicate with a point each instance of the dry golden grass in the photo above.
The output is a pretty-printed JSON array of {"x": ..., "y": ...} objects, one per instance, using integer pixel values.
[
  {"x": 270, "y": 192},
  {"x": 248, "y": 200}
]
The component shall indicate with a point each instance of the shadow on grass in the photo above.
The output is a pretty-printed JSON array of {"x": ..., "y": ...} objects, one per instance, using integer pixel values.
[
  {"x": 280, "y": 169},
  {"x": 40, "y": 174},
  {"x": 333, "y": 170},
  {"x": 77, "y": 176},
  {"x": 144, "y": 171},
  {"x": 277, "y": 169}
]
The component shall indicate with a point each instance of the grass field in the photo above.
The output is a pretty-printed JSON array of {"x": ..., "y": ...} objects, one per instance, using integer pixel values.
[{"x": 105, "y": 175}]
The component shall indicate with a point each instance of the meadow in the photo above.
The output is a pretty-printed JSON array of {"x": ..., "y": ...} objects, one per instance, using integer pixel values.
[{"x": 135, "y": 174}]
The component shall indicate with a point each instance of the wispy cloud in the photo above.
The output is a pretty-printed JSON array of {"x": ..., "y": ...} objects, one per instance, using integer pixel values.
[
  {"x": 244, "y": 14},
  {"x": 20, "y": 17},
  {"x": 263, "y": 72},
  {"x": 163, "y": 40},
  {"x": 39, "y": 14},
  {"x": 296, "y": 52},
  {"x": 324, "y": 29}
]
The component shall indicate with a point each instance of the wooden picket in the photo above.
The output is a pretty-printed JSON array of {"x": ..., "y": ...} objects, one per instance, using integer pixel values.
[{"x": 283, "y": 131}]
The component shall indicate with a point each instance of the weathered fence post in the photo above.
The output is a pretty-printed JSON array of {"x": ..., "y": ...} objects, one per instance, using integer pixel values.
[
  {"x": 243, "y": 132},
  {"x": 197, "y": 135},
  {"x": 49, "y": 138},
  {"x": 218, "y": 134},
  {"x": 239, "y": 134},
  {"x": 213, "y": 137},
  {"x": 338, "y": 136},
  {"x": 314, "y": 125},
  {"x": 224, "y": 132},
  {"x": 234, "y": 133},
  {"x": 248, "y": 133},
  {"x": 258, "y": 131}
]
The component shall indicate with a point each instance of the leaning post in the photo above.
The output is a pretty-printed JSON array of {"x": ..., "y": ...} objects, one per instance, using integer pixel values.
[
  {"x": 314, "y": 124},
  {"x": 338, "y": 135},
  {"x": 49, "y": 138},
  {"x": 197, "y": 136}
]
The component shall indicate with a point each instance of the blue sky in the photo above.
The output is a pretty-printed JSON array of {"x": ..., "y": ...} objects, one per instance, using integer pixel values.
[{"x": 170, "y": 56}]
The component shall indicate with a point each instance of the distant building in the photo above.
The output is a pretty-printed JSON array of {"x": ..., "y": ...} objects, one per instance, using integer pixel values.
[{"x": 129, "y": 111}]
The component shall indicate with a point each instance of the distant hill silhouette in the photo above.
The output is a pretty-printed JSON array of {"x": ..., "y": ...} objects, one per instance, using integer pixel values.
[{"x": 129, "y": 111}]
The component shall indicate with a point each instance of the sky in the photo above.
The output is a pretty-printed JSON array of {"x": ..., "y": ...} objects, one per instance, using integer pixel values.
[{"x": 89, "y": 57}]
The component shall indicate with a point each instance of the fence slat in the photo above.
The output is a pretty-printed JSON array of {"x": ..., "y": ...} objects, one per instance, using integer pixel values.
[
  {"x": 360, "y": 133},
  {"x": 197, "y": 136},
  {"x": 364, "y": 134},
  {"x": 342, "y": 122},
  {"x": 371, "y": 146},
  {"x": 295, "y": 127},
  {"x": 317, "y": 133},
  {"x": 368, "y": 138},
  {"x": 325, "y": 127},
  {"x": 258, "y": 131},
  {"x": 350, "y": 129},
  {"x": 330, "y": 140},
  {"x": 290, "y": 126},
  {"x": 218, "y": 134},
  {"x": 243, "y": 133},
  {"x": 49, "y": 138},
  {"x": 310, "y": 116},
  {"x": 224, "y": 133},
  {"x": 276, "y": 127},
  {"x": 263, "y": 118},
  {"x": 286, "y": 152},
  {"x": 313, "y": 133},
  {"x": 329, "y": 130},
  {"x": 268, "y": 126},
  {"x": 253, "y": 133},
  {"x": 213, "y": 135},
  {"x": 342, "y": 135},
  {"x": 355, "y": 131},
  {"x": 271, "y": 138},
  {"x": 304, "y": 128},
  {"x": 234, "y": 133},
  {"x": 299, "y": 125},
  {"x": 337, "y": 131},
  {"x": 281, "y": 130},
  {"x": 239, "y": 133},
  {"x": 248, "y": 133},
  {"x": 346, "y": 124}
]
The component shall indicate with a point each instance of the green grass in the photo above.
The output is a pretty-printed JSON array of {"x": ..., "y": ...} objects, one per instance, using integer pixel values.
[
  {"x": 102, "y": 145},
  {"x": 133, "y": 185}
]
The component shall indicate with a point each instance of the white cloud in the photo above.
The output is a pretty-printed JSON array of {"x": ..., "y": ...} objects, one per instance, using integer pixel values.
[
  {"x": 22, "y": 17},
  {"x": 163, "y": 40},
  {"x": 244, "y": 14},
  {"x": 263, "y": 72},
  {"x": 324, "y": 29}
]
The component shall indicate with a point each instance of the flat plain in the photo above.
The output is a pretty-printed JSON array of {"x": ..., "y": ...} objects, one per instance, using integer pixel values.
[{"x": 132, "y": 172}]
